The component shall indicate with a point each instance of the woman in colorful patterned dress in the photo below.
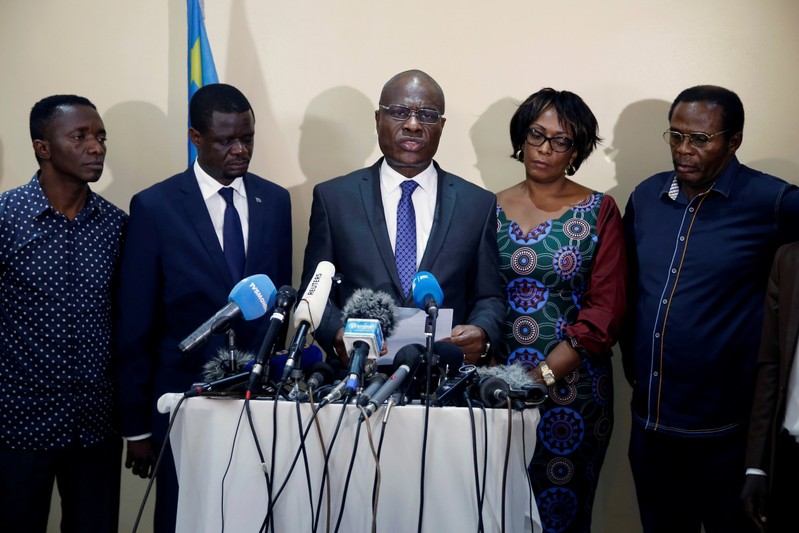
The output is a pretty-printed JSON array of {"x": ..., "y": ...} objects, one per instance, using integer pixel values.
[{"x": 562, "y": 262}]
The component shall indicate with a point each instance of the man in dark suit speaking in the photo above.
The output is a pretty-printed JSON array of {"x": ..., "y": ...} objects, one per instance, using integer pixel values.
[
  {"x": 181, "y": 259},
  {"x": 382, "y": 224}
]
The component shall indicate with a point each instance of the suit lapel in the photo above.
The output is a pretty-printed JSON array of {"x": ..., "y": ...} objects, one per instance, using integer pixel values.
[
  {"x": 196, "y": 211},
  {"x": 375, "y": 217},
  {"x": 442, "y": 219},
  {"x": 256, "y": 222}
]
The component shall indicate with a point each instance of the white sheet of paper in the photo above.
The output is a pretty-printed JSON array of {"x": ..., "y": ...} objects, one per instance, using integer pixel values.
[{"x": 410, "y": 329}]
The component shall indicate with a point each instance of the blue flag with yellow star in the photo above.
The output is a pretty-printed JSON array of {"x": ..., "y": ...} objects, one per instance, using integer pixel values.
[{"x": 202, "y": 70}]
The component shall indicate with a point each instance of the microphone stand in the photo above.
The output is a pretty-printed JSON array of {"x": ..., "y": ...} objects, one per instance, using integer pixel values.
[
  {"x": 429, "y": 333},
  {"x": 231, "y": 350}
]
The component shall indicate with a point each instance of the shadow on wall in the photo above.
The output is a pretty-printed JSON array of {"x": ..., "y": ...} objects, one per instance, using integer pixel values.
[
  {"x": 638, "y": 150},
  {"x": 337, "y": 136},
  {"x": 2, "y": 174},
  {"x": 787, "y": 170},
  {"x": 491, "y": 141},
  {"x": 139, "y": 127}
]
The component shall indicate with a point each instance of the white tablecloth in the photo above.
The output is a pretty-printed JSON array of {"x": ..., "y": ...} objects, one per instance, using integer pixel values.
[{"x": 203, "y": 444}]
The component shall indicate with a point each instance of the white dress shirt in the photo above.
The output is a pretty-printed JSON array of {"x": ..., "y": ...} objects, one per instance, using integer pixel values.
[
  {"x": 424, "y": 203},
  {"x": 209, "y": 188}
]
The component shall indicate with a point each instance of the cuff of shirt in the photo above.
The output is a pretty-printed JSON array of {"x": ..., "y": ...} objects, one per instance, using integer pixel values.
[{"x": 755, "y": 472}]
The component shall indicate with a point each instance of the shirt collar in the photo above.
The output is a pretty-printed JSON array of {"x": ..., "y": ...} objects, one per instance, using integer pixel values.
[
  {"x": 722, "y": 185},
  {"x": 209, "y": 186},
  {"x": 40, "y": 204},
  {"x": 392, "y": 179}
]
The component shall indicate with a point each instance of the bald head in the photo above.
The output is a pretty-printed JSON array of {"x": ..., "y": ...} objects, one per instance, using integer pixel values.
[{"x": 411, "y": 78}]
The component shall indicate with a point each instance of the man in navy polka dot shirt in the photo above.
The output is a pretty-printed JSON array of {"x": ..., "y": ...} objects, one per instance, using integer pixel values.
[{"x": 59, "y": 249}]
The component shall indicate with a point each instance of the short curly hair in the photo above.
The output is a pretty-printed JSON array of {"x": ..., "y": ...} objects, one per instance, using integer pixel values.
[{"x": 571, "y": 109}]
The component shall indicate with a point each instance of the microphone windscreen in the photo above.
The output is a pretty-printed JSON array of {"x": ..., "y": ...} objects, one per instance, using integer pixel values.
[
  {"x": 218, "y": 367},
  {"x": 254, "y": 295},
  {"x": 425, "y": 285},
  {"x": 309, "y": 355},
  {"x": 286, "y": 296},
  {"x": 312, "y": 305},
  {"x": 450, "y": 356},
  {"x": 378, "y": 305},
  {"x": 410, "y": 355},
  {"x": 515, "y": 375}
]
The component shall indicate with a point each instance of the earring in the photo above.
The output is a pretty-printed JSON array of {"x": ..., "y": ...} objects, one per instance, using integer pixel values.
[
  {"x": 519, "y": 155},
  {"x": 571, "y": 170}
]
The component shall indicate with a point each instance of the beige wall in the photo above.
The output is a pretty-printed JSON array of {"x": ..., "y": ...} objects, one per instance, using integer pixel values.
[{"x": 313, "y": 72}]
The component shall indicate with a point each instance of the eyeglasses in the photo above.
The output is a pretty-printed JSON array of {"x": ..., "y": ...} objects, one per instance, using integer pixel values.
[
  {"x": 402, "y": 113},
  {"x": 697, "y": 138},
  {"x": 558, "y": 144}
]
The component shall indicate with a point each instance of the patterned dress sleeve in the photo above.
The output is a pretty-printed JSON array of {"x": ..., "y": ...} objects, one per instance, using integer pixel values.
[{"x": 603, "y": 304}]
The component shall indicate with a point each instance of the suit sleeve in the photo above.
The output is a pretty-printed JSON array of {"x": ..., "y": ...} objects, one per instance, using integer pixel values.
[
  {"x": 768, "y": 371},
  {"x": 604, "y": 301},
  {"x": 136, "y": 319},
  {"x": 627, "y": 336},
  {"x": 487, "y": 301},
  {"x": 320, "y": 248}
]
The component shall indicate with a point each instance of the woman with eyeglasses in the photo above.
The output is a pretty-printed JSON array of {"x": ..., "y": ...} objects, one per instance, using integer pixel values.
[{"x": 562, "y": 263}]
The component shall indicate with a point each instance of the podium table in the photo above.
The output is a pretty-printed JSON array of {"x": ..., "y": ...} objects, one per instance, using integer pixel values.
[{"x": 220, "y": 473}]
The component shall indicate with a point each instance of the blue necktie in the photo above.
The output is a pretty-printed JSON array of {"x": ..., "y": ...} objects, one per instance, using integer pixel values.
[
  {"x": 233, "y": 236},
  {"x": 405, "y": 250}
]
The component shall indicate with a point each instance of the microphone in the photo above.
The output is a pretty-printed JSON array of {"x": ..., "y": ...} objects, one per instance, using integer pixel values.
[
  {"x": 251, "y": 298},
  {"x": 452, "y": 391},
  {"x": 217, "y": 376},
  {"x": 494, "y": 391},
  {"x": 522, "y": 387},
  {"x": 307, "y": 357},
  {"x": 427, "y": 293},
  {"x": 309, "y": 311},
  {"x": 370, "y": 316},
  {"x": 406, "y": 361},
  {"x": 218, "y": 367},
  {"x": 320, "y": 374},
  {"x": 283, "y": 302},
  {"x": 375, "y": 382},
  {"x": 449, "y": 358}
]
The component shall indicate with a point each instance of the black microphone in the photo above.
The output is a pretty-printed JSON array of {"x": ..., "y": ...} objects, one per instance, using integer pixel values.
[
  {"x": 309, "y": 311},
  {"x": 449, "y": 358},
  {"x": 407, "y": 360},
  {"x": 319, "y": 374},
  {"x": 217, "y": 376},
  {"x": 494, "y": 392},
  {"x": 453, "y": 390},
  {"x": 283, "y": 302},
  {"x": 375, "y": 382},
  {"x": 521, "y": 387}
]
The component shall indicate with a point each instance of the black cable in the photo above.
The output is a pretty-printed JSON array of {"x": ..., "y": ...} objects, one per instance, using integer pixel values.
[
  {"x": 260, "y": 456},
  {"x": 485, "y": 452},
  {"x": 527, "y": 474},
  {"x": 349, "y": 475},
  {"x": 376, "y": 484},
  {"x": 305, "y": 458},
  {"x": 227, "y": 469},
  {"x": 507, "y": 459},
  {"x": 480, "y": 527},
  {"x": 325, "y": 469},
  {"x": 157, "y": 463}
]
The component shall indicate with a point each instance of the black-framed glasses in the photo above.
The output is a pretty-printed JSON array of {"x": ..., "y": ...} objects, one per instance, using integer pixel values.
[
  {"x": 696, "y": 138},
  {"x": 403, "y": 113},
  {"x": 558, "y": 144}
]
